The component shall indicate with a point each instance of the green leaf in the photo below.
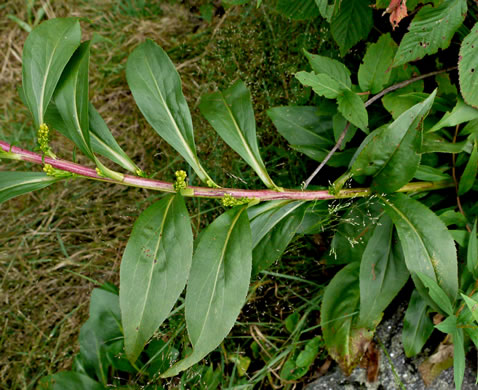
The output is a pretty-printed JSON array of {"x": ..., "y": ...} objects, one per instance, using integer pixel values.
[
  {"x": 467, "y": 66},
  {"x": 383, "y": 273},
  {"x": 45, "y": 54},
  {"x": 427, "y": 173},
  {"x": 102, "y": 141},
  {"x": 468, "y": 177},
  {"x": 436, "y": 293},
  {"x": 448, "y": 325},
  {"x": 352, "y": 23},
  {"x": 328, "y": 11},
  {"x": 230, "y": 113},
  {"x": 376, "y": 68},
  {"x": 17, "y": 183},
  {"x": 431, "y": 29},
  {"x": 345, "y": 341},
  {"x": 427, "y": 244},
  {"x": 69, "y": 380},
  {"x": 333, "y": 68},
  {"x": 417, "y": 325},
  {"x": 298, "y": 9},
  {"x": 156, "y": 88},
  {"x": 154, "y": 270},
  {"x": 472, "y": 252},
  {"x": 459, "y": 357},
  {"x": 307, "y": 356},
  {"x": 102, "y": 328},
  {"x": 218, "y": 284},
  {"x": 322, "y": 84},
  {"x": 353, "y": 109},
  {"x": 461, "y": 113},
  {"x": 472, "y": 305},
  {"x": 433, "y": 143},
  {"x": 71, "y": 99},
  {"x": 291, "y": 321},
  {"x": 272, "y": 231},
  {"x": 391, "y": 153}
]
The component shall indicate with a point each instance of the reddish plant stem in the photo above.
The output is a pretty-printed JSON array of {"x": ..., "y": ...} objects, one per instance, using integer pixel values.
[{"x": 204, "y": 192}]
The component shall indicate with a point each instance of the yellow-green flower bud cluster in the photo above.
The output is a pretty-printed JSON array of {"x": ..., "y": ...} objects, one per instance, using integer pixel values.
[
  {"x": 43, "y": 135},
  {"x": 51, "y": 171},
  {"x": 229, "y": 201},
  {"x": 180, "y": 183}
]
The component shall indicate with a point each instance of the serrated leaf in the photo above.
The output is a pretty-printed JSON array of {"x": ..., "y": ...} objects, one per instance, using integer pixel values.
[
  {"x": 230, "y": 113},
  {"x": 330, "y": 67},
  {"x": 436, "y": 293},
  {"x": 417, "y": 325},
  {"x": 352, "y": 23},
  {"x": 298, "y": 9},
  {"x": 353, "y": 109},
  {"x": 46, "y": 52},
  {"x": 468, "y": 177},
  {"x": 17, "y": 183},
  {"x": 468, "y": 77},
  {"x": 218, "y": 284},
  {"x": 272, "y": 231},
  {"x": 156, "y": 88},
  {"x": 322, "y": 84},
  {"x": 69, "y": 380},
  {"x": 154, "y": 270},
  {"x": 472, "y": 252},
  {"x": 345, "y": 341},
  {"x": 376, "y": 68},
  {"x": 383, "y": 273},
  {"x": 461, "y": 113},
  {"x": 427, "y": 244},
  {"x": 431, "y": 29},
  {"x": 472, "y": 305}
]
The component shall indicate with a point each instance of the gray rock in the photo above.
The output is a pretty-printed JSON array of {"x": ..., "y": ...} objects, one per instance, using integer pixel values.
[{"x": 389, "y": 334}]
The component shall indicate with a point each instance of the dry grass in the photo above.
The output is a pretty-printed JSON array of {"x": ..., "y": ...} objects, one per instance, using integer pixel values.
[{"x": 57, "y": 243}]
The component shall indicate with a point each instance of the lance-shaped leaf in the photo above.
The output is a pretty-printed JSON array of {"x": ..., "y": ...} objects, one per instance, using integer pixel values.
[
  {"x": 427, "y": 244},
  {"x": 467, "y": 72},
  {"x": 472, "y": 306},
  {"x": 154, "y": 270},
  {"x": 461, "y": 113},
  {"x": 217, "y": 285},
  {"x": 272, "y": 231},
  {"x": 18, "y": 183},
  {"x": 417, "y": 325},
  {"x": 156, "y": 88},
  {"x": 383, "y": 273},
  {"x": 391, "y": 154},
  {"x": 71, "y": 99},
  {"x": 345, "y": 341},
  {"x": 46, "y": 52},
  {"x": 436, "y": 293},
  {"x": 472, "y": 252},
  {"x": 102, "y": 141},
  {"x": 69, "y": 380},
  {"x": 431, "y": 29},
  {"x": 468, "y": 177},
  {"x": 230, "y": 113}
]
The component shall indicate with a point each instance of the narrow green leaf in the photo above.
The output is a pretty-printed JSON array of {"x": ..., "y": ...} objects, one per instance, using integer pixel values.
[
  {"x": 433, "y": 143},
  {"x": 298, "y": 9},
  {"x": 472, "y": 252},
  {"x": 417, "y": 325},
  {"x": 156, "y": 88},
  {"x": 154, "y": 270},
  {"x": 69, "y": 380},
  {"x": 461, "y": 113},
  {"x": 431, "y": 29},
  {"x": 472, "y": 305},
  {"x": 71, "y": 99},
  {"x": 46, "y": 52},
  {"x": 427, "y": 244},
  {"x": 333, "y": 68},
  {"x": 230, "y": 113},
  {"x": 353, "y": 109},
  {"x": 328, "y": 11},
  {"x": 391, "y": 153},
  {"x": 322, "y": 84},
  {"x": 427, "y": 173},
  {"x": 272, "y": 231},
  {"x": 468, "y": 177},
  {"x": 376, "y": 68},
  {"x": 459, "y": 357},
  {"x": 16, "y": 183},
  {"x": 218, "y": 284},
  {"x": 436, "y": 293},
  {"x": 307, "y": 356},
  {"x": 383, "y": 273},
  {"x": 351, "y": 24},
  {"x": 448, "y": 325},
  {"x": 345, "y": 341},
  {"x": 468, "y": 78}
]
